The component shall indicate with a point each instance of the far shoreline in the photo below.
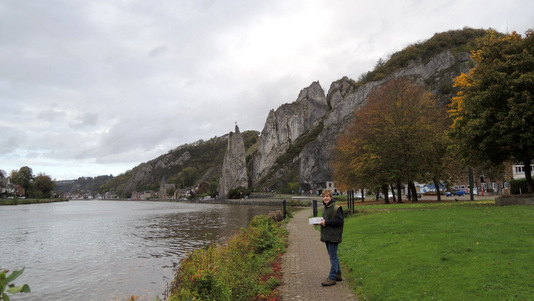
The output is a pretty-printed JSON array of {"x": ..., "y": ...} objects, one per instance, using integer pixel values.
[{"x": 20, "y": 201}]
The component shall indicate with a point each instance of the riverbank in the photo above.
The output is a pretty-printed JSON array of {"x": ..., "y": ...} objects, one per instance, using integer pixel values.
[
  {"x": 246, "y": 268},
  {"x": 20, "y": 201}
]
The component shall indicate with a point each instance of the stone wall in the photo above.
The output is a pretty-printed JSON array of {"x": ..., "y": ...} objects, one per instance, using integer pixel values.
[{"x": 517, "y": 200}]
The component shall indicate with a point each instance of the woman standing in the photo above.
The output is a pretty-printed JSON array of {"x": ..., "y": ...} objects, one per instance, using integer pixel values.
[{"x": 331, "y": 234}]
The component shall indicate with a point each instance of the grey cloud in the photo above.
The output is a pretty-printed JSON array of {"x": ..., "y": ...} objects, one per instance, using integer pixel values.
[
  {"x": 84, "y": 120},
  {"x": 97, "y": 83},
  {"x": 157, "y": 51},
  {"x": 52, "y": 115},
  {"x": 10, "y": 140}
]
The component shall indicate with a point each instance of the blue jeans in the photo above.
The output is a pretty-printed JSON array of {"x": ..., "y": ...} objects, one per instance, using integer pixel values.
[{"x": 335, "y": 268}]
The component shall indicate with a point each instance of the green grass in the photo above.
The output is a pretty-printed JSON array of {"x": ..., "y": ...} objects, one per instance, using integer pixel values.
[{"x": 443, "y": 251}]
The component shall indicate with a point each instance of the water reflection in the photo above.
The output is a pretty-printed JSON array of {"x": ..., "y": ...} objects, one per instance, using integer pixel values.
[{"x": 104, "y": 250}]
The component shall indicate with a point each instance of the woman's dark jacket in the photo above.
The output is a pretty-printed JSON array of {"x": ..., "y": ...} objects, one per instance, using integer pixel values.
[{"x": 333, "y": 229}]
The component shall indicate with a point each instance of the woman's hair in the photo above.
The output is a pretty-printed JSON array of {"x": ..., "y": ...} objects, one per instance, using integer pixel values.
[{"x": 327, "y": 192}]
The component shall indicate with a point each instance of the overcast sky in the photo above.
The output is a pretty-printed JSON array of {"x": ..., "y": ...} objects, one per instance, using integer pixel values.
[{"x": 97, "y": 87}]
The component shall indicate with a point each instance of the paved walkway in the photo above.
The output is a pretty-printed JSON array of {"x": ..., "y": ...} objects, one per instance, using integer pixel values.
[{"x": 306, "y": 264}]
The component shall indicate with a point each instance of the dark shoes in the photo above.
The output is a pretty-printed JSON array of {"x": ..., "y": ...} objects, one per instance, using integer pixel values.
[{"x": 329, "y": 282}]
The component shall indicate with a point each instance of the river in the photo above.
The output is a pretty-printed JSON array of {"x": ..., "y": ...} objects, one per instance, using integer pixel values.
[{"x": 109, "y": 250}]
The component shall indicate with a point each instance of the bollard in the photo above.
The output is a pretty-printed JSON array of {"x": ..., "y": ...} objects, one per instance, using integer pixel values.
[
  {"x": 353, "y": 201},
  {"x": 350, "y": 200},
  {"x": 285, "y": 209},
  {"x": 315, "y": 208}
]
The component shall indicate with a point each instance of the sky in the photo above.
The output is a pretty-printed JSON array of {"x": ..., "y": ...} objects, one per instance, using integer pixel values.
[{"x": 98, "y": 87}]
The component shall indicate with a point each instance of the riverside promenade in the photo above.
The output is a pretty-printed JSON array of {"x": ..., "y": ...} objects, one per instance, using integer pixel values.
[{"x": 306, "y": 265}]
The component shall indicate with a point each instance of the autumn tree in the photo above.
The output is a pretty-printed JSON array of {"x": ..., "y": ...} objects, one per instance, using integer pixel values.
[
  {"x": 443, "y": 162},
  {"x": 23, "y": 177},
  {"x": 43, "y": 185},
  {"x": 494, "y": 110},
  {"x": 391, "y": 139}
]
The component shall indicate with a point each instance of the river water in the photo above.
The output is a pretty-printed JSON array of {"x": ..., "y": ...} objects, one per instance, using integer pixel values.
[{"x": 109, "y": 250}]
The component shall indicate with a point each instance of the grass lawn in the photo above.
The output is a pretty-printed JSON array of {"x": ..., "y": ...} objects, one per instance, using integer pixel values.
[{"x": 440, "y": 251}]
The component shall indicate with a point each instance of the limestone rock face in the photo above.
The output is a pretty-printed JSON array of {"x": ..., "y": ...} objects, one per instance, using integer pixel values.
[
  {"x": 143, "y": 173},
  {"x": 345, "y": 98},
  {"x": 288, "y": 124},
  {"x": 285, "y": 125},
  {"x": 166, "y": 162},
  {"x": 234, "y": 170}
]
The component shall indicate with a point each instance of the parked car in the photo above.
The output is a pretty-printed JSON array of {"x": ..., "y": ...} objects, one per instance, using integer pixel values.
[
  {"x": 381, "y": 195},
  {"x": 458, "y": 193},
  {"x": 461, "y": 192}
]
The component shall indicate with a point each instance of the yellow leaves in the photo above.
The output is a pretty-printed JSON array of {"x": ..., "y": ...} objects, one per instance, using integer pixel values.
[
  {"x": 464, "y": 80},
  {"x": 457, "y": 106},
  {"x": 457, "y": 110},
  {"x": 476, "y": 55}
]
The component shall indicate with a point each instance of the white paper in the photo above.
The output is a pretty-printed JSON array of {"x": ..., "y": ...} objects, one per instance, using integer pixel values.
[{"x": 315, "y": 220}]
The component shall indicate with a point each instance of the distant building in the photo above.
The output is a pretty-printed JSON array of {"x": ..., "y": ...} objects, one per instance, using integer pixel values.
[
  {"x": 166, "y": 191},
  {"x": 331, "y": 185},
  {"x": 143, "y": 195},
  {"x": 6, "y": 187},
  {"x": 181, "y": 194},
  {"x": 518, "y": 171}
]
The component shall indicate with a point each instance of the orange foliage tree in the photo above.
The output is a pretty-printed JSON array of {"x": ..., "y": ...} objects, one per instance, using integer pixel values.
[
  {"x": 494, "y": 110},
  {"x": 398, "y": 137}
]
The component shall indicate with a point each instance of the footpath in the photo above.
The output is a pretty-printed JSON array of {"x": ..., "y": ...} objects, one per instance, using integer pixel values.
[{"x": 306, "y": 265}]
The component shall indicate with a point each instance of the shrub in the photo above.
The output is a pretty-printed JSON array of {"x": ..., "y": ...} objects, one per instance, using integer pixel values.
[
  {"x": 518, "y": 186},
  {"x": 246, "y": 269},
  {"x": 276, "y": 215},
  {"x": 299, "y": 203},
  {"x": 239, "y": 192}
]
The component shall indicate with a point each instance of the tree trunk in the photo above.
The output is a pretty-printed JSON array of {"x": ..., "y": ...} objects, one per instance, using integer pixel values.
[
  {"x": 385, "y": 192},
  {"x": 399, "y": 198},
  {"x": 363, "y": 195},
  {"x": 411, "y": 186},
  {"x": 393, "y": 192},
  {"x": 528, "y": 176},
  {"x": 436, "y": 184}
]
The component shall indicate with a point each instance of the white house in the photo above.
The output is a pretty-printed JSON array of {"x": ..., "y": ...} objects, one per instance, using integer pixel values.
[{"x": 518, "y": 171}]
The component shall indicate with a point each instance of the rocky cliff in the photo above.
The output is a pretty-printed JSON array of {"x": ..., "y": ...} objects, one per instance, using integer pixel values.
[
  {"x": 234, "y": 169},
  {"x": 285, "y": 125},
  {"x": 290, "y": 122}
]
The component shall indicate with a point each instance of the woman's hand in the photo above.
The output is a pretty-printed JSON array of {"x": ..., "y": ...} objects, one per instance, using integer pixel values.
[{"x": 323, "y": 223}]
